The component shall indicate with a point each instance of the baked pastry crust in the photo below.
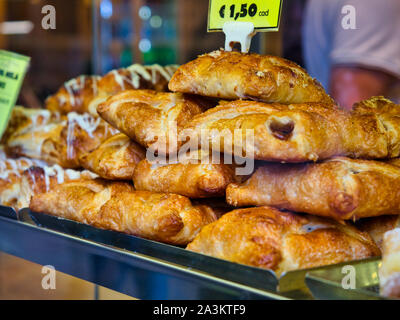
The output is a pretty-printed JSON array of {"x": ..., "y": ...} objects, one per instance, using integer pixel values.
[
  {"x": 115, "y": 158},
  {"x": 389, "y": 272},
  {"x": 60, "y": 141},
  {"x": 340, "y": 188},
  {"x": 296, "y": 132},
  {"x": 136, "y": 76},
  {"x": 196, "y": 176},
  {"x": 74, "y": 95},
  {"x": 292, "y": 133},
  {"x": 268, "y": 238},
  {"x": 21, "y": 178},
  {"x": 117, "y": 206},
  {"x": 234, "y": 75},
  {"x": 153, "y": 119}
]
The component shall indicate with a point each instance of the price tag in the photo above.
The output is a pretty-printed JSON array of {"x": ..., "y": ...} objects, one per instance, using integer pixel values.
[
  {"x": 264, "y": 14},
  {"x": 13, "y": 67}
]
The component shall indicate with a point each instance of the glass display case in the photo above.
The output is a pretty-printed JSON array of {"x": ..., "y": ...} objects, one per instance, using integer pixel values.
[{"x": 100, "y": 37}]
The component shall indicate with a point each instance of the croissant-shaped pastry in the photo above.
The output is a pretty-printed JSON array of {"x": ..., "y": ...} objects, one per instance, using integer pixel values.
[
  {"x": 376, "y": 227},
  {"x": 389, "y": 272},
  {"x": 296, "y": 132},
  {"x": 234, "y": 75},
  {"x": 196, "y": 175},
  {"x": 60, "y": 142},
  {"x": 117, "y": 206},
  {"x": 282, "y": 241},
  {"x": 151, "y": 118},
  {"x": 340, "y": 188},
  {"x": 136, "y": 76},
  {"x": 21, "y": 178},
  {"x": 115, "y": 158},
  {"x": 74, "y": 95}
]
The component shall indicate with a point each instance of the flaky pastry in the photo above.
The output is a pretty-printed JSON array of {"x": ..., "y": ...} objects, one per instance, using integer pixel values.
[
  {"x": 198, "y": 175},
  {"x": 234, "y": 75},
  {"x": 340, "y": 188},
  {"x": 117, "y": 206},
  {"x": 282, "y": 241},
  {"x": 151, "y": 118},
  {"x": 115, "y": 158}
]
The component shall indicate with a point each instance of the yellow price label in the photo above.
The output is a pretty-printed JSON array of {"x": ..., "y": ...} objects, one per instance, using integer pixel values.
[
  {"x": 264, "y": 14},
  {"x": 13, "y": 67}
]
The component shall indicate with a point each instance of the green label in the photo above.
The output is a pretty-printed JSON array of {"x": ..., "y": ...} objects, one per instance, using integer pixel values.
[{"x": 13, "y": 67}]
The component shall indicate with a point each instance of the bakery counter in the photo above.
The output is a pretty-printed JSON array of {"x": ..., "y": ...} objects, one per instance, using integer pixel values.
[{"x": 137, "y": 267}]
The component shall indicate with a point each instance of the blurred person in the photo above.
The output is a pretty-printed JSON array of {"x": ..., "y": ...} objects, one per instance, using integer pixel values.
[{"x": 353, "y": 47}]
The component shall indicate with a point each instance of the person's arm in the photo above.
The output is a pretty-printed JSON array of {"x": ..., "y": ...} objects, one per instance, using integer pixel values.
[{"x": 351, "y": 84}]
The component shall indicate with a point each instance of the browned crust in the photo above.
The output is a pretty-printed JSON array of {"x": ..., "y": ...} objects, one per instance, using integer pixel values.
[
  {"x": 268, "y": 238},
  {"x": 117, "y": 206},
  {"x": 114, "y": 159},
  {"x": 194, "y": 180},
  {"x": 148, "y": 116},
  {"x": 339, "y": 188},
  {"x": 234, "y": 75}
]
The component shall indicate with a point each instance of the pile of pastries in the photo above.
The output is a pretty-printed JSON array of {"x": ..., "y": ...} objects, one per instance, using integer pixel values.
[{"x": 242, "y": 157}]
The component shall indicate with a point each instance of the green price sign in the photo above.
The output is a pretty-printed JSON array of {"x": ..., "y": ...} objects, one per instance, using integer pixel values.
[{"x": 13, "y": 67}]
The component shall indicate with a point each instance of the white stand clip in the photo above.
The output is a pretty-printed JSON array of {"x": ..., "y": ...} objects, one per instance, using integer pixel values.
[{"x": 241, "y": 32}]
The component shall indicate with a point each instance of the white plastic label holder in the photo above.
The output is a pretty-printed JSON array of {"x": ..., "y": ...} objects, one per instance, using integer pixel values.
[{"x": 238, "y": 32}]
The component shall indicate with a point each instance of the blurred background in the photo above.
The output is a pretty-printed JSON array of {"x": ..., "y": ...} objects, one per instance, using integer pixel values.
[{"x": 95, "y": 36}]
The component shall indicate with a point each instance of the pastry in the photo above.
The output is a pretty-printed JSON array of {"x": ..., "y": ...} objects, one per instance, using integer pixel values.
[
  {"x": 114, "y": 159},
  {"x": 379, "y": 105},
  {"x": 277, "y": 132},
  {"x": 60, "y": 142},
  {"x": 153, "y": 119},
  {"x": 282, "y": 241},
  {"x": 136, "y": 76},
  {"x": 389, "y": 272},
  {"x": 21, "y": 178},
  {"x": 195, "y": 175},
  {"x": 376, "y": 227},
  {"x": 117, "y": 206},
  {"x": 74, "y": 95},
  {"x": 340, "y": 188},
  {"x": 296, "y": 132},
  {"x": 234, "y": 75},
  {"x": 25, "y": 119}
]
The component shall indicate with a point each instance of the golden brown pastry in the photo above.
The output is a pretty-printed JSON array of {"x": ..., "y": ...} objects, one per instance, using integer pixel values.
[
  {"x": 195, "y": 175},
  {"x": 21, "y": 178},
  {"x": 296, "y": 132},
  {"x": 153, "y": 119},
  {"x": 292, "y": 133},
  {"x": 271, "y": 239},
  {"x": 74, "y": 95},
  {"x": 115, "y": 158},
  {"x": 24, "y": 119},
  {"x": 60, "y": 142},
  {"x": 389, "y": 272},
  {"x": 234, "y": 75},
  {"x": 378, "y": 104},
  {"x": 136, "y": 76},
  {"x": 340, "y": 188},
  {"x": 376, "y": 227},
  {"x": 117, "y": 206}
]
